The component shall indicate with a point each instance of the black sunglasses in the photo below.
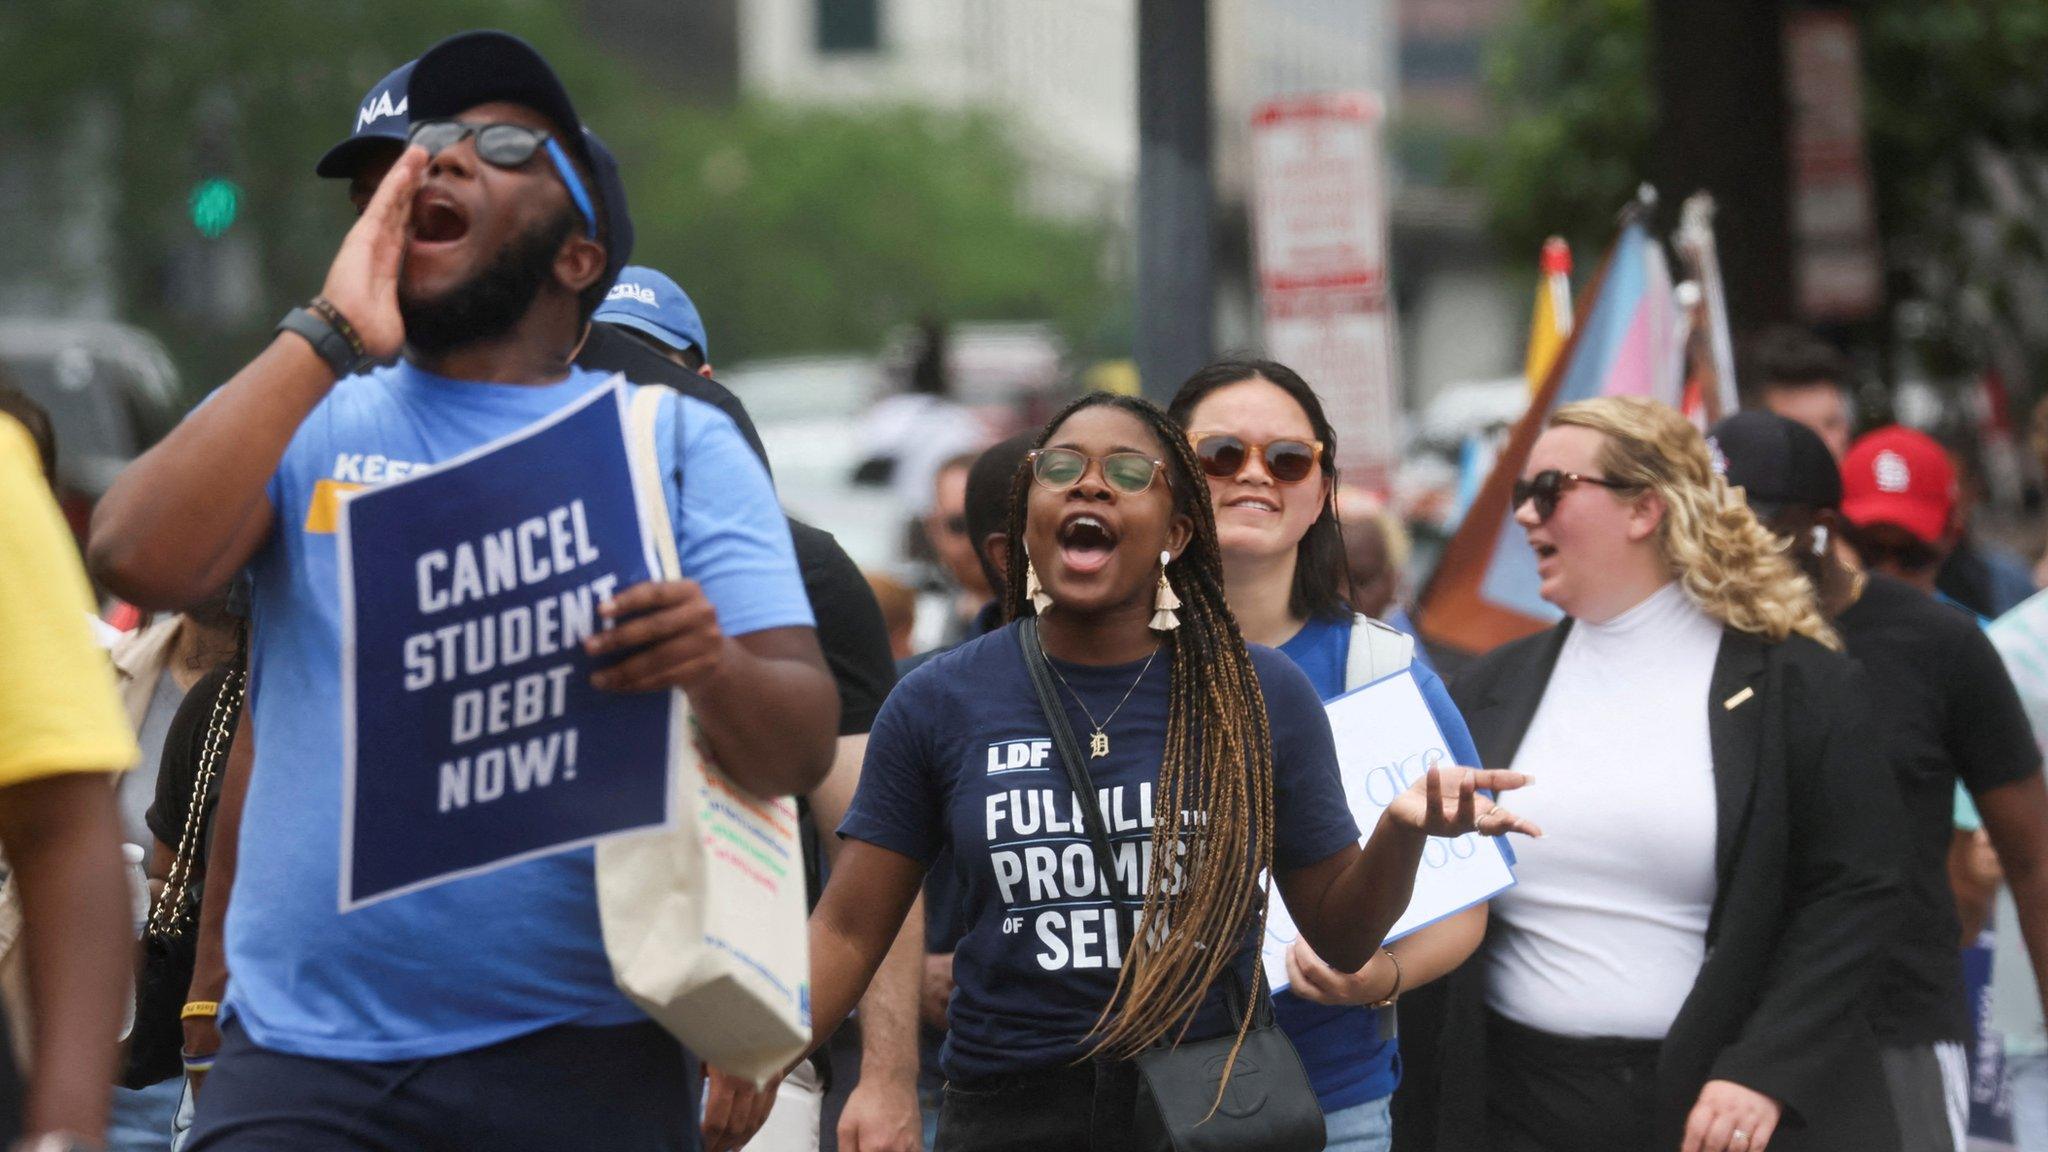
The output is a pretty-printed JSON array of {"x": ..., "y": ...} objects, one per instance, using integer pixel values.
[
  {"x": 506, "y": 146},
  {"x": 1287, "y": 461},
  {"x": 1547, "y": 487}
]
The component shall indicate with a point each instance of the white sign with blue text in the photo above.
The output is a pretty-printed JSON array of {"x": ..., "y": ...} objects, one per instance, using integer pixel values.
[
  {"x": 1386, "y": 740},
  {"x": 472, "y": 736}
]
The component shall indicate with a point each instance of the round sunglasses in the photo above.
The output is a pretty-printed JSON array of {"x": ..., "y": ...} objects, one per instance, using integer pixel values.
[
  {"x": 1547, "y": 487},
  {"x": 1061, "y": 468},
  {"x": 505, "y": 146},
  {"x": 1287, "y": 461}
]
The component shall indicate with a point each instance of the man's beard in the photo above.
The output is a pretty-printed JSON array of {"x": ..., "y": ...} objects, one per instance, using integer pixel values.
[{"x": 492, "y": 301}]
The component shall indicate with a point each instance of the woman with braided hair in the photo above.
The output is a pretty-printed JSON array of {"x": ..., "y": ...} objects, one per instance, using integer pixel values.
[
  {"x": 1681, "y": 963},
  {"x": 1211, "y": 762}
]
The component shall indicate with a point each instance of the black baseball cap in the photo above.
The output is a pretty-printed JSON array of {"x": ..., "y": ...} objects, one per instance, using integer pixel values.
[
  {"x": 1777, "y": 462},
  {"x": 381, "y": 123},
  {"x": 471, "y": 68}
]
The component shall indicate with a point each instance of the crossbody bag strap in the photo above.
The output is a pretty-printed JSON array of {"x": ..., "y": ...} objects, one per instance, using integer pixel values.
[
  {"x": 1070, "y": 757},
  {"x": 1234, "y": 994}
]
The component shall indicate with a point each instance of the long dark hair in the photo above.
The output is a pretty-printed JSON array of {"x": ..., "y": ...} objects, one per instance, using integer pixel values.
[
  {"x": 1218, "y": 764},
  {"x": 1321, "y": 573}
]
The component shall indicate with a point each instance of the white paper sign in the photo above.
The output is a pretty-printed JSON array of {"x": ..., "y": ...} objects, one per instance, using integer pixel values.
[{"x": 1386, "y": 741}]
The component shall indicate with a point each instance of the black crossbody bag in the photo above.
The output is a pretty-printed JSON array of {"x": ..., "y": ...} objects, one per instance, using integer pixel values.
[{"x": 1268, "y": 1105}]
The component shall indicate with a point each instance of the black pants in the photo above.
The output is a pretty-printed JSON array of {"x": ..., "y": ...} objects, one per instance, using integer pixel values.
[
  {"x": 1074, "y": 1109},
  {"x": 1558, "y": 1094},
  {"x": 619, "y": 1089}
]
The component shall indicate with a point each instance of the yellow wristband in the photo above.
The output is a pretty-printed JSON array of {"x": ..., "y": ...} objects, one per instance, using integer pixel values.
[{"x": 199, "y": 1008}]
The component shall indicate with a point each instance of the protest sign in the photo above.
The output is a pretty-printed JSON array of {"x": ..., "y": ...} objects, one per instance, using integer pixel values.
[
  {"x": 1386, "y": 741},
  {"x": 472, "y": 737}
]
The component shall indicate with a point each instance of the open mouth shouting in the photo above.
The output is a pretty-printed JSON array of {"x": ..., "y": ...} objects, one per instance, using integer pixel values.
[
  {"x": 437, "y": 219},
  {"x": 1086, "y": 542}
]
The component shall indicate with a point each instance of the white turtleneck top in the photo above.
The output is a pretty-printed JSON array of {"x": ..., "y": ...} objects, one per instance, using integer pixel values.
[{"x": 1605, "y": 929}]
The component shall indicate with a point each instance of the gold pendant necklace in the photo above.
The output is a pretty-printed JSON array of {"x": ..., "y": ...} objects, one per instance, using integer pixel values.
[{"x": 1098, "y": 743}]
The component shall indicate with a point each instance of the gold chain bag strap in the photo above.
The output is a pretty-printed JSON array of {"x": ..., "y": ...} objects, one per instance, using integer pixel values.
[{"x": 170, "y": 938}]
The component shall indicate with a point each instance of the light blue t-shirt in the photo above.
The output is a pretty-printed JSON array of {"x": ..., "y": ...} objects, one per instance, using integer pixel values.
[{"x": 480, "y": 960}]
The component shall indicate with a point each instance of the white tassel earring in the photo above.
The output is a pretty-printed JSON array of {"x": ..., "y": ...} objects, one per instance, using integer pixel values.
[
  {"x": 1040, "y": 601},
  {"x": 1163, "y": 619}
]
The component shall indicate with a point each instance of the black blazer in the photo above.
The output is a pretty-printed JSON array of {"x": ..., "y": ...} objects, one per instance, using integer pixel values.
[{"x": 1807, "y": 879}]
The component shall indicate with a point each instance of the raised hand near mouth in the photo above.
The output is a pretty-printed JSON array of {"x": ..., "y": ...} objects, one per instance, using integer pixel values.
[{"x": 362, "y": 283}]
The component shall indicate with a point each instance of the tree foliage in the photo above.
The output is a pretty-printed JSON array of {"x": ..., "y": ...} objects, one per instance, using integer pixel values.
[
  {"x": 1957, "y": 118},
  {"x": 795, "y": 230},
  {"x": 1570, "y": 83}
]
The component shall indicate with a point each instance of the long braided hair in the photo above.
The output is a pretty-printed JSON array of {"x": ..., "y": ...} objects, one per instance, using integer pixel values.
[{"x": 1215, "y": 791}]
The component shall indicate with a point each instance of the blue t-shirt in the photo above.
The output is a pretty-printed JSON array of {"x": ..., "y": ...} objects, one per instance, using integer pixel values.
[
  {"x": 480, "y": 960},
  {"x": 1347, "y": 1062},
  {"x": 961, "y": 758}
]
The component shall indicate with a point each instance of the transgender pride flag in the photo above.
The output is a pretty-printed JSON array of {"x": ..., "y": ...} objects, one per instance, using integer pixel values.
[{"x": 1484, "y": 592}]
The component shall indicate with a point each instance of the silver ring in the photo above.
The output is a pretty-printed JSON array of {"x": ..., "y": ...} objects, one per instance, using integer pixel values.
[{"x": 1739, "y": 1134}]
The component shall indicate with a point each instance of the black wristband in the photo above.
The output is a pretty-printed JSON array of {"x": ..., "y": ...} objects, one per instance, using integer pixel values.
[{"x": 327, "y": 340}]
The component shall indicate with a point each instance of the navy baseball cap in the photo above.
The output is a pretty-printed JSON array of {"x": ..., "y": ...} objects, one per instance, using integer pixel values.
[
  {"x": 647, "y": 301},
  {"x": 380, "y": 122},
  {"x": 1778, "y": 463},
  {"x": 471, "y": 68}
]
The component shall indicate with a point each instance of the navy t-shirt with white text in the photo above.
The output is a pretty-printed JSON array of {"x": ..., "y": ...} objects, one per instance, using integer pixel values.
[{"x": 961, "y": 757}]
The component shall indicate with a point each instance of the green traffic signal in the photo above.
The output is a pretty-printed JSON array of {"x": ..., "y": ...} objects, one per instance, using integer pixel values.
[{"x": 215, "y": 202}]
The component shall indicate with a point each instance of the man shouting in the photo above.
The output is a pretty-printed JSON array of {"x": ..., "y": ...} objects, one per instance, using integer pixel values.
[{"x": 480, "y": 1014}]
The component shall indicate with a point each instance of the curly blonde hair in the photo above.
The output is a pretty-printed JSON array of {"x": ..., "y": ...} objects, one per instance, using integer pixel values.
[{"x": 1727, "y": 563}]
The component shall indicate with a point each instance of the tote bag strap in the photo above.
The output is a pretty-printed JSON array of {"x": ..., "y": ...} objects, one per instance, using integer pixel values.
[{"x": 642, "y": 418}]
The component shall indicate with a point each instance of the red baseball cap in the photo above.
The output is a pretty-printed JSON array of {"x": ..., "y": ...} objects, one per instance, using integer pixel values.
[{"x": 1899, "y": 476}]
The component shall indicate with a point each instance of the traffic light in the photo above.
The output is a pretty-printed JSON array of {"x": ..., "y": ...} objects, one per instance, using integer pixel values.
[{"x": 215, "y": 202}]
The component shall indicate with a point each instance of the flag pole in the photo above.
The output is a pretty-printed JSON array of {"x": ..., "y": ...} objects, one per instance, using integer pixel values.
[{"x": 1451, "y": 610}]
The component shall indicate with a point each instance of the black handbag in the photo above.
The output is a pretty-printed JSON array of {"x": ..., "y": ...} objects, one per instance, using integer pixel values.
[
  {"x": 170, "y": 940},
  {"x": 1268, "y": 1105}
]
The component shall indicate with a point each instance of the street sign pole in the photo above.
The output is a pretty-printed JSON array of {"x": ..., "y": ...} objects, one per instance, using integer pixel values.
[{"x": 1176, "y": 199}]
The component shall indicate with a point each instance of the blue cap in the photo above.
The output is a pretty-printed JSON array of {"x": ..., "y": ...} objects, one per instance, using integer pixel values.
[
  {"x": 471, "y": 68},
  {"x": 647, "y": 301},
  {"x": 380, "y": 122}
]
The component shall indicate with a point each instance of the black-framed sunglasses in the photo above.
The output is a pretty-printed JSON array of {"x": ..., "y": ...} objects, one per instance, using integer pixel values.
[
  {"x": 1288, "y": 461},
  {"x": 1547, "y": 487},
  {"x": 1061, "y": 468},
  {"x": 507, "y": 146}
]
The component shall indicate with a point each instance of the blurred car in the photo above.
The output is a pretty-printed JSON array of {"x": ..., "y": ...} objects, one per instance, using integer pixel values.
[
  {"x": 110, "y": 390},
  {"x": 807, "y": 410},
  {"x": 813, "y": 416}
]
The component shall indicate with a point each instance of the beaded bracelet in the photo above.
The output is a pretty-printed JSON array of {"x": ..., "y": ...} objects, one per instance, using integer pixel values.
[{"x": 332, "y": 315}]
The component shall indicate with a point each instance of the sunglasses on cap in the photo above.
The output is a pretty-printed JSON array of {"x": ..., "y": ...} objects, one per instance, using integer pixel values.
[
  {"x": 1547, "y": 487},
  {"x": 506, "y": 146},
  {"x": 1061, "y": 468},
  {"x": 1287, "y": 461}
]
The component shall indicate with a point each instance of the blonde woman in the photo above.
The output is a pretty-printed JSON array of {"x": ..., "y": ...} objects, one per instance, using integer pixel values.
[{"x": 1681, "y": 963}]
